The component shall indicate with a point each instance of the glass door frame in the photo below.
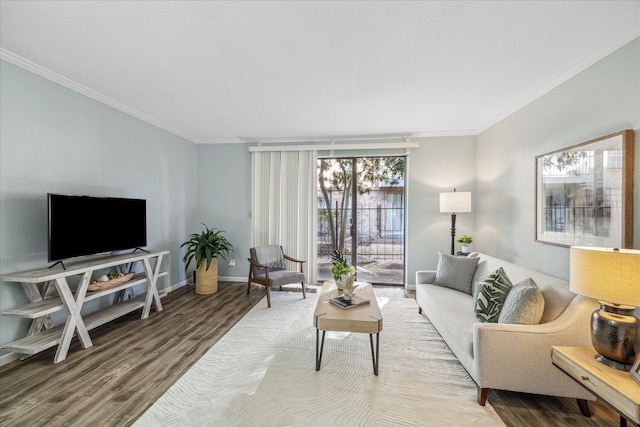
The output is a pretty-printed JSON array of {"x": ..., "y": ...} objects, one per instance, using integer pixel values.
[{"x": 352, "y": 221}]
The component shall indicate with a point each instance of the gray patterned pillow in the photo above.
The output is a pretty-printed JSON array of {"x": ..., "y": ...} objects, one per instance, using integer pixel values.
[
  {"x": 490, "y": 295},
  {"x": 455, "y": 272},
  {"x": 524, "y": 304}
]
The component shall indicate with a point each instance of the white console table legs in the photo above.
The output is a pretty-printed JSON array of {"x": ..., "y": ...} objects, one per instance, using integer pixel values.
[
  {"x": 152, "y": 292},
  {"x": 74, "y": 319}
]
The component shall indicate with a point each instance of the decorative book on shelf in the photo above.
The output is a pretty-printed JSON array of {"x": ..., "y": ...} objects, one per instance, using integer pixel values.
[{"x": 344, "y": 304}]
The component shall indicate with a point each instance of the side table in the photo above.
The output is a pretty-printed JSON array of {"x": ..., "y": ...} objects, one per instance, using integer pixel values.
[{"x": 615, "y": 388}]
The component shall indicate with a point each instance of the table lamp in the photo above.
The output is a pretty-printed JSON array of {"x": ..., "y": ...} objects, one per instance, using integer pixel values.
[
  {"x": 612, "y": 276},
  {"x": 453, "y": 202}
]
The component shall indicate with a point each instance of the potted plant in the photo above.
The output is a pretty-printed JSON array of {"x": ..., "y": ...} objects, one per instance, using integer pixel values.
[
  {"x": 465, "y": 240},
  {"x": 343, "y": 274},
  {"x": 206, "y": 247}
]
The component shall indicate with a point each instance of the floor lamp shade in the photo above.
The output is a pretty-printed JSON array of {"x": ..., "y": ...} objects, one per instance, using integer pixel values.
[
  {"x": 611, "y": 276},
  {"x": 455, "y": 202},
  {"x": 452, "y": 202}
]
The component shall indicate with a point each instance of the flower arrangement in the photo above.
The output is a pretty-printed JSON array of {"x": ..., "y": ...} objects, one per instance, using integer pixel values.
[{"x": 340, "y": 265}]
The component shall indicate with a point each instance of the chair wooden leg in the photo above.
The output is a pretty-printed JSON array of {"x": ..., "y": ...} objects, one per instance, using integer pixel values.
[
  {"x": 304, "y": 291},
  {"x": 268, "y": 297},
  {"x": 482, "y": 395}
]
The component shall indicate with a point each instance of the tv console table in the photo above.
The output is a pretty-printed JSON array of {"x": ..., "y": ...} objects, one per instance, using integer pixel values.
[{"x": 44, "y": 303}]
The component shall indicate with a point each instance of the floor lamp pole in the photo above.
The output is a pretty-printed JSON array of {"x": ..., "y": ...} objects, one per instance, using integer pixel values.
[{"x": 453, "y": 232}]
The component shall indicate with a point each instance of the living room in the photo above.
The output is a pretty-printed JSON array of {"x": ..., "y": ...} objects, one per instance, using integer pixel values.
[{"x": 58, "y": 135}]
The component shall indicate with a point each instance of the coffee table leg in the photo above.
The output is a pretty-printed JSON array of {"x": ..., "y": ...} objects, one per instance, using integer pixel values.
[
  {"x": 319, "y": 353},
  {"x": 375, "y": 355}
]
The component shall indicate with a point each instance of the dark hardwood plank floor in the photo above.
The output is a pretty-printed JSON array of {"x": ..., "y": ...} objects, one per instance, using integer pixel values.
[{"x": 133, "y": 362}]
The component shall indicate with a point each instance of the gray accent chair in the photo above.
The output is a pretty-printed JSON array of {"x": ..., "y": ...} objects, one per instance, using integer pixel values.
[{"x": 267, "y": 267}]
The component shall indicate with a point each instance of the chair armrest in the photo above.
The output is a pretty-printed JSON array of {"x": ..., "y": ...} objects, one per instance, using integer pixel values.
[
  {"x": 255, "y": 263},
  {"x": 287, "y": 257},
  {"x": 425, "y": 276}
]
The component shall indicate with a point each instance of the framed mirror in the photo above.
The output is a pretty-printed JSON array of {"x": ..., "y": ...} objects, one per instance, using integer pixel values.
[{"x": 584, "y": 193}]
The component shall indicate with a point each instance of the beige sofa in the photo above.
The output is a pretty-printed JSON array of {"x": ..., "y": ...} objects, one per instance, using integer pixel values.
[{"x": 507, "y": 356}]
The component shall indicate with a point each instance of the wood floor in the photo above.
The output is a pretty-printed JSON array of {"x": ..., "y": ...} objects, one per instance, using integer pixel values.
[{"x": 133, "y": 361}]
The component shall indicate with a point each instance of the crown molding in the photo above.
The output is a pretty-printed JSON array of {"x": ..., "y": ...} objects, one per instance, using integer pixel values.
[{"x": 41, "y": 71}]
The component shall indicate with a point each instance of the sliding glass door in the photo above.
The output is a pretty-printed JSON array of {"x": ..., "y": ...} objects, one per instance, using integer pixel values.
[{"x": 361, "y": 212}]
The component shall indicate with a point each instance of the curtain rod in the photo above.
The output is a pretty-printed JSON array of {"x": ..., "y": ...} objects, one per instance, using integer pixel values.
[{"x": 330, "y": 147}]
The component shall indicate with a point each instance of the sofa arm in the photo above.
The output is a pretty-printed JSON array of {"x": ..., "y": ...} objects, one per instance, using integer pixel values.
[
  {"x": 425, "y": 276},
  {"x": 518, "y": 357}
]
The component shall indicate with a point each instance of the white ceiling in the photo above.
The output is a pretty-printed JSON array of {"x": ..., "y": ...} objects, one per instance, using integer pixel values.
[{"x": 304, "y": 70}]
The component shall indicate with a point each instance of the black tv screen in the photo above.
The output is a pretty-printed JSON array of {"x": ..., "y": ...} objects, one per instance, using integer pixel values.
[{"x": 84, "y": 225}]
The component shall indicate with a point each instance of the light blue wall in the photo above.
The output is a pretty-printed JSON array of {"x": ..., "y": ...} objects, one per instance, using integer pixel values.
[
  {"x": 224, "y": 199},
  {"x": 53, "y": 139},
  {"x": 439, "y": 165},
  {"x": 603, "y": 99}
]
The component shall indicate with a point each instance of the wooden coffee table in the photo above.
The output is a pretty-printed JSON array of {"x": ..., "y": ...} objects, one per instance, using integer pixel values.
[{"x": 365, "y": 319}]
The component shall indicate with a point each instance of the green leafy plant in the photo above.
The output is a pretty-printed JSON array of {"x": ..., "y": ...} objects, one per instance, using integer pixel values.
[
  {"x": 206, "y": 245},
  {"x": 465, "y": 239},
  {"x": 340, "y": 265}
]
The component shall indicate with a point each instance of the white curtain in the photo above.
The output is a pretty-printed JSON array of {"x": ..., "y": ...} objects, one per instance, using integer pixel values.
[{"x": 284, "y": 203}]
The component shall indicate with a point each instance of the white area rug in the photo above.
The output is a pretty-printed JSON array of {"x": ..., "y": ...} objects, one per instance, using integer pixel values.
[{"x": 262, "y": 373}]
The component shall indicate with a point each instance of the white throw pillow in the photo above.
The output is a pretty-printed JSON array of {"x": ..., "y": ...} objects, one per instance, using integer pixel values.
[{"x": 524, "y": 304}]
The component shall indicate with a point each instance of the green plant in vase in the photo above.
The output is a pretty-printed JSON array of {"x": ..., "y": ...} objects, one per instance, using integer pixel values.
[
  {"x": 343, "y": 274},
  {"x": 465, "y": 240},
  {"x": 205, "y": 248}
]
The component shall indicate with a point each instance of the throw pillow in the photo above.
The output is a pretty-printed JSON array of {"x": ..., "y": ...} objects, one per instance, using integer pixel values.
[
  {"x": 490, "y": 295},
  {"x": 524, "y": 304},
  {"x": 455, "y": 272}
]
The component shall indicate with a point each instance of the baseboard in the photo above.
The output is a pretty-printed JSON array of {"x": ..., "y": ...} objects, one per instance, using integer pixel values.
[
  {"x": 173, "y": 287},
  {"x": 233, "y": 279},
  {"x": 8, "y": 358}
]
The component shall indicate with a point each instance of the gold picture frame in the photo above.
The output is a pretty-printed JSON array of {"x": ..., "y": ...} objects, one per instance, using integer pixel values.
[{"x": 584, "y": 193}]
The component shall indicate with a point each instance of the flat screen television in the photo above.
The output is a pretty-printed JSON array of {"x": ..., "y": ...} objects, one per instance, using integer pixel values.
[{"x": 85, "y": 225}]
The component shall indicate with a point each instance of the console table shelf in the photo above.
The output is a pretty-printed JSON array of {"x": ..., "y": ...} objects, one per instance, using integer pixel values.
[
  {"x": 48, "y": 338},
  {"x": 43, "y": 304},
  {"x": 41, "y": 308}
]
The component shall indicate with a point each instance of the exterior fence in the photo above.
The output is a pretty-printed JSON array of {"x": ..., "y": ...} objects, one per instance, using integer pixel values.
[{"x": 380, "y": 246}]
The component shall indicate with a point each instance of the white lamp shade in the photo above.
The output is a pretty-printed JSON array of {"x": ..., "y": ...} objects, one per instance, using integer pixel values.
[
  {"x": 611, "y": 275},
  {"x": 455, "y": 201}
]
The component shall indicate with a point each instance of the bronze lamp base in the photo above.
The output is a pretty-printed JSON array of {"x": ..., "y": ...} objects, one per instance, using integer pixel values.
[{"x": 613, "y": 335}]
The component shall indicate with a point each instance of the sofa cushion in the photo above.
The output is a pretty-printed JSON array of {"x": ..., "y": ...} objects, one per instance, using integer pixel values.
[
  {"x": 455, "y": 272},
  {"x": 490, "y": 295},
  {"x": 524, "y": 305},
  {"x": 443, "y": 307}
]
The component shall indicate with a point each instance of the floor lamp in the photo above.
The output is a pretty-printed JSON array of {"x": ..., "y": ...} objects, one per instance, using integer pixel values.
[{"x": 452, "y": 202}]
